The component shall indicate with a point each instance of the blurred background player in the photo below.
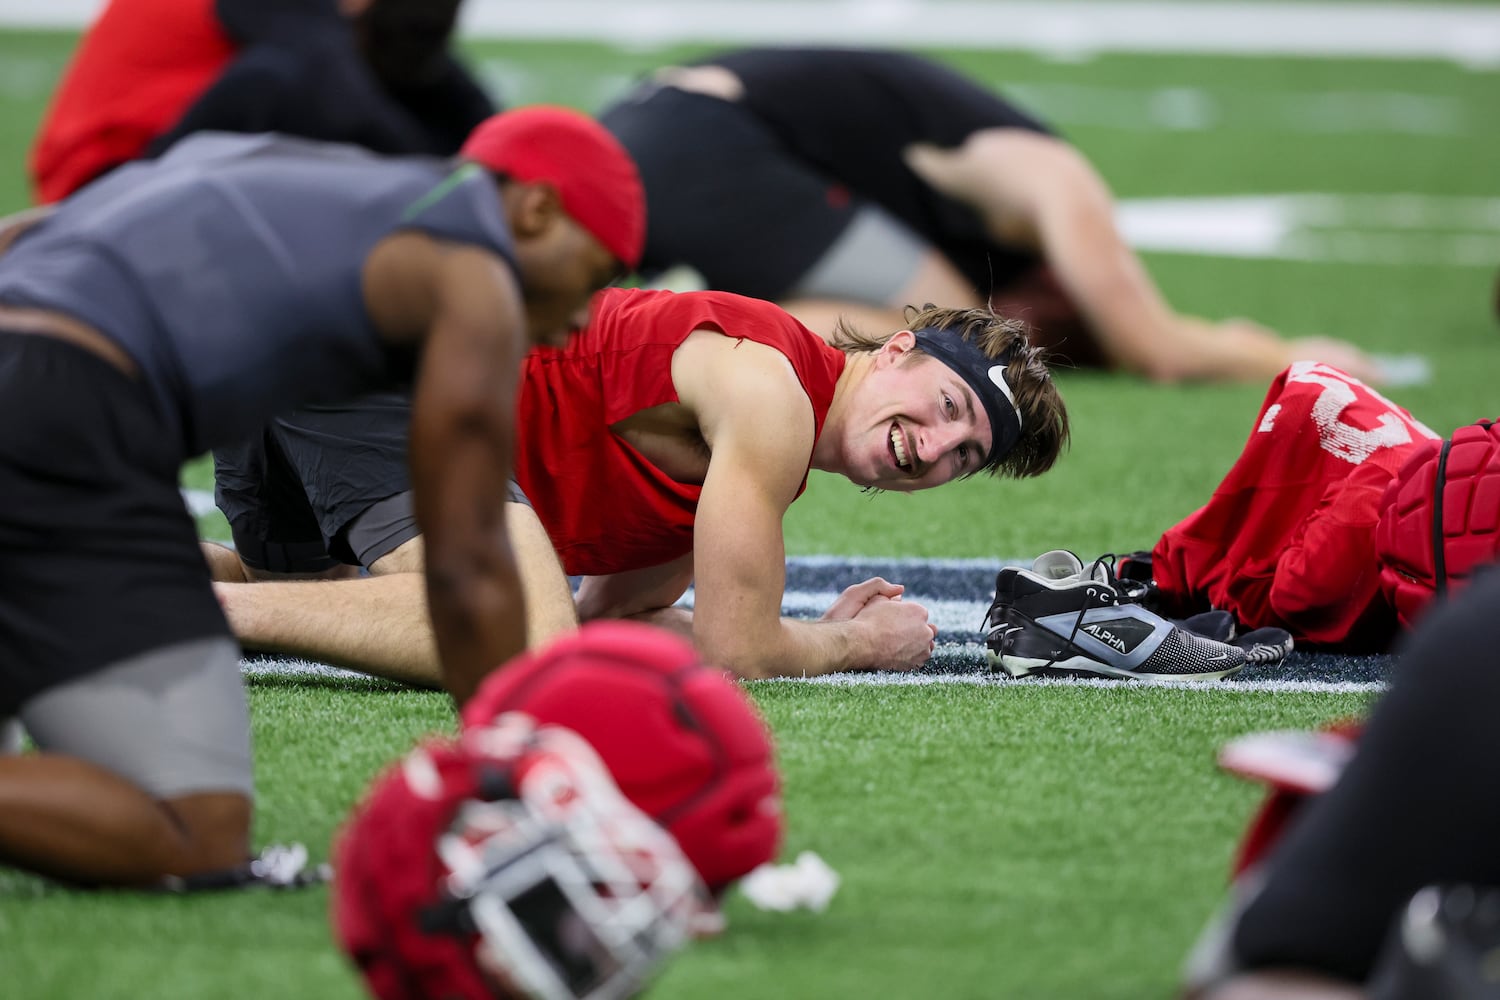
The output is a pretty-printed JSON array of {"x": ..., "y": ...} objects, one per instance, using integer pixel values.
[
  {"x": 179, "y": 304},
  {"x": 376, "y": 73},
  {"x": 850, "y": 183},
  {"x": 1316, "y": 917},
  {"x": 604, "y": 792},
  {"x": 662, "y": 448}
]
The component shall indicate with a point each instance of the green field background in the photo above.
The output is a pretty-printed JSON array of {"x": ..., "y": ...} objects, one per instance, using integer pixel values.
[{"x": 995, "y": 840}]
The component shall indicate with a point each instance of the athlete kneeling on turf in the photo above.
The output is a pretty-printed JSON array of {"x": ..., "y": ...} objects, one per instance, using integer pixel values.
[{"x": 175, "y": 306}]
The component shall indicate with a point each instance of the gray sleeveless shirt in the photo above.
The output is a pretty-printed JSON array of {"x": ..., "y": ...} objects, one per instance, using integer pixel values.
[{"x": 230, "y": 269}]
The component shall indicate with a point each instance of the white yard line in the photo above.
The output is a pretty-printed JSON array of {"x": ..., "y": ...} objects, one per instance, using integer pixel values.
[
  {"x": 887, "y": 679},
  {"x": 303, "y": 668},
  {"x": 1068, "y": 29}
]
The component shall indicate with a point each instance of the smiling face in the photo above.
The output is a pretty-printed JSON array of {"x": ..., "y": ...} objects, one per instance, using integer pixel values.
[{"x": 912, "y": 422}]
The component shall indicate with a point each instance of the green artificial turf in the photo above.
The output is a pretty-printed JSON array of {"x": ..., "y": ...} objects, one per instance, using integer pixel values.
[{"x": 994, "y": 840}]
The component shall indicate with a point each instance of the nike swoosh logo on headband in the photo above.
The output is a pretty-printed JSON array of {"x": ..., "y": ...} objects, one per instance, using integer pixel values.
[{"x": 997, "y": 376}]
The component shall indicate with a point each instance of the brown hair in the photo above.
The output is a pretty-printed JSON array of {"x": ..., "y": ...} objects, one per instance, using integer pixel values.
[{"x": 1044, "y": 418}]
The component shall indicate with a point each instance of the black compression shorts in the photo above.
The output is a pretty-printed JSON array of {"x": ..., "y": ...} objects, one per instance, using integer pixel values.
[{"x": 99, "y": 558}]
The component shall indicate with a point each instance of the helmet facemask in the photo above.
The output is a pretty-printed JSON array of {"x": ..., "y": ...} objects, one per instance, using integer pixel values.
[{"x": 572, "y": 891}]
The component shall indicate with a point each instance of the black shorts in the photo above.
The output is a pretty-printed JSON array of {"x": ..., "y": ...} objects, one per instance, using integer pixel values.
[
  {"x": 293, "y": 495},
  {"x": 724, "y": 196},
  {"x": 99, "y": 557},
  {"x": 1417, "y": 806},
  {"x": 324, "y": 486}
]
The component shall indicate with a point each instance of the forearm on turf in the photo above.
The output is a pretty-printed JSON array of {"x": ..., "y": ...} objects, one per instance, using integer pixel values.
[{"x": 788, "y": 647}]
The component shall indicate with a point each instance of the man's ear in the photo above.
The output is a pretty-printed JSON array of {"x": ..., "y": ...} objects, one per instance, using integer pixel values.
[
  {"x": 899, "y": 344},
  {"x": 532, "y": 208}
]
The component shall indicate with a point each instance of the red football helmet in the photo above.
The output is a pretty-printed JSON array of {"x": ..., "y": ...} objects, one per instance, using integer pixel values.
[
  {"x": 529, "y": 858},
  {"x": 682, "y": 741},
  {"x": 508, "y": 864}
]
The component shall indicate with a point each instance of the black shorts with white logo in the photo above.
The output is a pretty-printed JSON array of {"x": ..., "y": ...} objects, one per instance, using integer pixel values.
[{"x": 99, "y": 557}]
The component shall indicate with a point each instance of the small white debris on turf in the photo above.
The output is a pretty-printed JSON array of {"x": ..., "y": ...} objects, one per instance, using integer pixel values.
[{"x": 807, "y": 884}]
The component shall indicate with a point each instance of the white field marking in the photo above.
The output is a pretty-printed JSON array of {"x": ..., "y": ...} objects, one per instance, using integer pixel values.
[
  {"x": 305, "y": 668},
  {"x": 891, "y": 679},
  {"x": 1062, "y": 29},
  {"x": 1194, "y": 109},
  {"x": 199, "y": 502},
  {"x": 1399, "y": 229},
  {"x": 862, "y": 564},
  {"x": 1132, "y": 109}
]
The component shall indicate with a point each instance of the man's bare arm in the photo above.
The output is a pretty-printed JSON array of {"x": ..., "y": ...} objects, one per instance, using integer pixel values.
[
  {"x": 645, "y": 595},
  {"x": 1038, "y": 191},
  {"x": 621, "y": 595},
  {"x": 463, "y": 417},
  {"x": 759, "y": 425}
]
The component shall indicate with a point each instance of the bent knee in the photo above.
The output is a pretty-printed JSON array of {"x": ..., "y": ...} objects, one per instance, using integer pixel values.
[{"x": 215, "y": 832}]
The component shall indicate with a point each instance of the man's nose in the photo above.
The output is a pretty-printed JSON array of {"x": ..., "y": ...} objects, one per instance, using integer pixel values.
[{"x": 938, "y": 441}]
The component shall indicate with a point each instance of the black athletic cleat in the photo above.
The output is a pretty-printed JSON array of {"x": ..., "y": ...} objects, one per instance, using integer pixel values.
[{"x": 1082, "y": 625}]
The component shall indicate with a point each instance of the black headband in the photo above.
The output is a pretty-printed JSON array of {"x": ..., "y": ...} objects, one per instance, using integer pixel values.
[{"x": 986, "y": 376}]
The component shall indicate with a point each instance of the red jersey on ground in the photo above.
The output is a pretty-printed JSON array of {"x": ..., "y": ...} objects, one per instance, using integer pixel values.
[
  {"x": 605, "y": 507},
  {"x": 139, "y": 67},
  {"x": 1289, "y": 536}
]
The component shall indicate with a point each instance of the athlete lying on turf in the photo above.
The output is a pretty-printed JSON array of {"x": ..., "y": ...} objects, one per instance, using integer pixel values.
[
  {"x": 849, "y": 183},
  {"x": 177, "y": 305},
  {"x": 663, "y": 448}
]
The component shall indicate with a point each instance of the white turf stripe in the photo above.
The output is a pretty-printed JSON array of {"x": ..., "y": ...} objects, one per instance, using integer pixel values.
[
  {"x": 295, "y": 668},
  {"x": 865, "y": 563},
  {"x": 889, "y": 679},
  {"x": 303, "y": 668},
  {"x": 1068, "y": 29},
  {"x": 200, "y": 502},
  {"x": 1469, "y": 35}
]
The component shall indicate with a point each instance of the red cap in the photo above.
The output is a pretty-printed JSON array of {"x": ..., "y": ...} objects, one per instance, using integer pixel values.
[
  {"x": 594, "y": 175},
  {"x": 682, "y": 741}
]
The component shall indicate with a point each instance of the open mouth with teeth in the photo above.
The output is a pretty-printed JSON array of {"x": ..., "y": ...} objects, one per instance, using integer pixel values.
[{"x": 901, "y": 452}]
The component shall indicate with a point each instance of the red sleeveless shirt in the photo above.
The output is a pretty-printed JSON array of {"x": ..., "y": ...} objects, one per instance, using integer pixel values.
[{"x": 606, "y": 508}]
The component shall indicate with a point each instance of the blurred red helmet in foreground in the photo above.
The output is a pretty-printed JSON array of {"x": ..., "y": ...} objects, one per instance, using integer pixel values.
[
  {"x": 682, "y": 741},
  {"x": 508, "y": 864},
  {"x": 560, "y": 847}
]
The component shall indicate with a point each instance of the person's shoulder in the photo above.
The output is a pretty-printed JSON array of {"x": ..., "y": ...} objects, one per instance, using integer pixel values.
[{"x": 710, "y": 305}]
